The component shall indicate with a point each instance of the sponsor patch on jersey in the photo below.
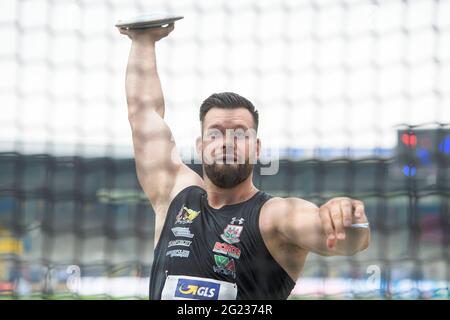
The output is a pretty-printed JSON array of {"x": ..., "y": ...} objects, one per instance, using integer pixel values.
[
  {"x": 232, "y": 233},
  {"x": 196, "y": 288},
  {"x": 227, "y": 249},
  {"x": 224, "y": 265},
  {"x": 182, "y": 232},
  {"x": 179, "y": 242},
  {"x": 178, "y": 253},
  {"x": 186, "y": 215}
]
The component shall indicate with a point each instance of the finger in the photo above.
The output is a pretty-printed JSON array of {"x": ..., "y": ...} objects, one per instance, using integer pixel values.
[
  {"x": 338, "y": 222},
  {"x": 359, "y": 211},
  {"x": 169, "y": 28},
  {"x": 123, "y": 30},
  {"x": 359, "y": 208},
  {"x": 346, "y": 208},
  {"x": 327, "y": 224},
  {"x": 331, "y": 243}
]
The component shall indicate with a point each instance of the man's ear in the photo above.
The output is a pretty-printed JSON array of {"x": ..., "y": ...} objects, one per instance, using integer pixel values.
[
  {"x": 258, "y": 148},
  {"x": 199, "y": 147},
  {"x": 255, "y": 151}
]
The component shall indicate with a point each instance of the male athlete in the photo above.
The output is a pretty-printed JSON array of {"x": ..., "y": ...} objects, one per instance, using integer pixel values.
[{"x": 219, "y": 237}]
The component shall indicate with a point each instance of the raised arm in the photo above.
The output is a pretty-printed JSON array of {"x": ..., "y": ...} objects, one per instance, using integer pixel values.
[
  {"x": 160, "y": 170},
  {"x": 325, "y": 230}
]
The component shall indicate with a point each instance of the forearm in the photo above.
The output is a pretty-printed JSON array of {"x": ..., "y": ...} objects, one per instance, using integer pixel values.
[{"x": 142, "y": 84}]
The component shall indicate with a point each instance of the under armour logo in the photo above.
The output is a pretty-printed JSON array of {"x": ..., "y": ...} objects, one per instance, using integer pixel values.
[{"x": 239, "y": 221}]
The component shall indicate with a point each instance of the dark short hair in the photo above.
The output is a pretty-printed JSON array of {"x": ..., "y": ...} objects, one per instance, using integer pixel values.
[{"x": 228, "y": 100}]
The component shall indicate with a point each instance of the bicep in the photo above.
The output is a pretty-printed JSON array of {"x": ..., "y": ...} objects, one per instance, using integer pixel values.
[{"x": 158, "y": 165}]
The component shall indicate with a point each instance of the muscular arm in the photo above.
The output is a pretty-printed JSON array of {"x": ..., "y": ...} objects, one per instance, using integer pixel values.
[
  {"x": 160, "y": 170},
  {"x": 297, "y": 222},
  {"x": 142, "y": 84}
]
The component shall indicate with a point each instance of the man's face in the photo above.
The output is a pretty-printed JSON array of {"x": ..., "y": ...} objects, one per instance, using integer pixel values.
[{"x": 228, "y": 146}]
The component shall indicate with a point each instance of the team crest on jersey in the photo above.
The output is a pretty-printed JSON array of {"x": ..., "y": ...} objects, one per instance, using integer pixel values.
[
  {"x": 186, "y": 215},
  {"x": 232, "y": 233},
  {"x": 225, "y": 266}
]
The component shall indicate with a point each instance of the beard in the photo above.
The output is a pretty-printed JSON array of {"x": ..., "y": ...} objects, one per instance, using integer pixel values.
[{"x": 227, "y": 176}]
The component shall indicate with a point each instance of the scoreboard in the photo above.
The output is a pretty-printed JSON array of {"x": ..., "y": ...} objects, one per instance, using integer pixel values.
[{"x": 423, "y": 150}]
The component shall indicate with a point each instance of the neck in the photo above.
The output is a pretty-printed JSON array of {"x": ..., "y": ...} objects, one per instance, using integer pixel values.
[{"x": 218, "y": 197}]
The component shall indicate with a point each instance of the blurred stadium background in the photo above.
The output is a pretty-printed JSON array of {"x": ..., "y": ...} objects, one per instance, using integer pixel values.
[{"x": 354, "y": 97}]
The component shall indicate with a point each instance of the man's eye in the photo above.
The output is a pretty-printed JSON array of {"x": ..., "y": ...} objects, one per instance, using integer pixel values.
[
  {"x": 239, "y": 135},
  {"x": 213, "y": 135}
]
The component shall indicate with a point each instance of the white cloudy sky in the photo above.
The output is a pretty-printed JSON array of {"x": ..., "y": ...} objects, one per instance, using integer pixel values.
[{"x": 325, "y": 73}]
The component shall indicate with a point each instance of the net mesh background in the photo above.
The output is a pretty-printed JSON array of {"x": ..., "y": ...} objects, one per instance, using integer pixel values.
[{"x": 353, "y": 97}]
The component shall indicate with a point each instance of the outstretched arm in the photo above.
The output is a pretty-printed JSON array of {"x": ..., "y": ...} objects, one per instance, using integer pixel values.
[
  {"x": 142, "y": 84},
  {"x": 160, "y": 170},
  {"x": 326, "y": 230}
]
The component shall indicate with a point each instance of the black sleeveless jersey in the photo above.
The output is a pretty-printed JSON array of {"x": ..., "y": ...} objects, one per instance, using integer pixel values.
[{"x": 208, "y": 253}]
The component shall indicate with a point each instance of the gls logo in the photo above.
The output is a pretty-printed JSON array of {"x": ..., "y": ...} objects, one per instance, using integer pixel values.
[{"x": 196, "y": 289}]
